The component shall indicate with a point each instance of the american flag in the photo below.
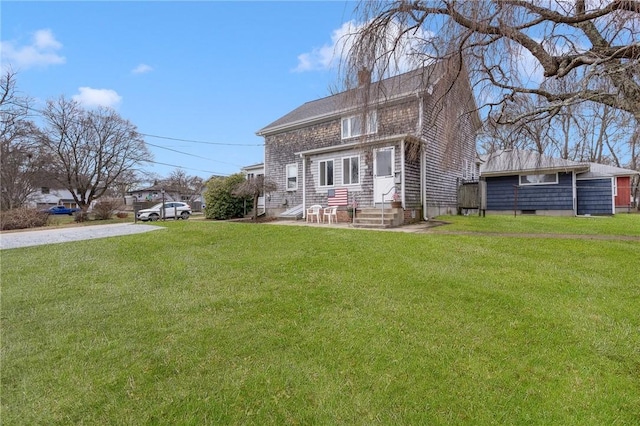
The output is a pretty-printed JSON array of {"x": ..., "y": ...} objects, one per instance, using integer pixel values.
[{"x": 338, "y": 197}]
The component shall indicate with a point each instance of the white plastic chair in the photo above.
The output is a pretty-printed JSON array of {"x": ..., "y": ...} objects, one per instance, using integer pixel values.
[
  {"x": 331, "y": 213},
  {"x": 312, "y": 211}
]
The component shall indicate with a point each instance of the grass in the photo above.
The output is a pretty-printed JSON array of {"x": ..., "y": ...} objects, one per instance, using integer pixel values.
[
  {"x": 621, "y": 224},
  {"x": 220, "y": 323}
]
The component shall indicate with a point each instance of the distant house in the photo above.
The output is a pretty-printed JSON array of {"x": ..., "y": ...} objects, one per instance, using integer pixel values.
[
  {"x": 526, "y": 182},
  {"x": 364, "y": 145},
  {"x": 156, "y": 192},
  {"x": 251, "y": 172},
  {"x": 47, "y": 197}
]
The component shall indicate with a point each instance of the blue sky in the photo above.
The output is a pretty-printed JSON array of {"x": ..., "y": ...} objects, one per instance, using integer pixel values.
[{"x": 206, "y": 71}]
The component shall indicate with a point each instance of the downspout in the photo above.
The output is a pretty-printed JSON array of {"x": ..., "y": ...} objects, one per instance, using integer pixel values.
[
  {"x": 574, "y": 192},
  {"x": 423, "y": 171},
  {"x": 614, "y": 185},
  {"x": 423, "y": 158},
  {"x": 402, "y": 170},
  {"x": 304, "y": 187}
]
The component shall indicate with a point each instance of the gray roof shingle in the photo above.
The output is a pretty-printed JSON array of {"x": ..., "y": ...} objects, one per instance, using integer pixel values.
[{"x": 394, "y": 87}]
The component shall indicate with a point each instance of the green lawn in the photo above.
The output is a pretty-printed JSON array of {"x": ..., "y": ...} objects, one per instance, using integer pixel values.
[
  {"x": 621, "y": 224},
  {"x": 228, "y": 323}
]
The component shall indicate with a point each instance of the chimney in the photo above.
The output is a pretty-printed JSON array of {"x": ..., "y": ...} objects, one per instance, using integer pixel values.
[{"x": 364, "y": 77}]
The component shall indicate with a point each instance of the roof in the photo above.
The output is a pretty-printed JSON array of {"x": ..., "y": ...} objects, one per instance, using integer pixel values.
[
  {"x": 604, "y": 170},
  {"x": 512, "y": 161},
  {"x": 399, "y": 86},
  {"x": 254, "y": 166}
]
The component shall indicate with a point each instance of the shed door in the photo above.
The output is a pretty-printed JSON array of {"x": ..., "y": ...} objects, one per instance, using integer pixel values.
[
  {"x": 383, "y": 174},
  {"x": 595, "y": 196}
]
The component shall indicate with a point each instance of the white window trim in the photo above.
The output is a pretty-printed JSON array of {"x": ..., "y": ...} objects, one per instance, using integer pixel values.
[
  {"x": 537, "y": 183},
  {"x": 333, "y": 171},
  {"x": 287, "y": 176},
  {"x": 350, "y": 157},
  {"x": 366, "y": 125}
]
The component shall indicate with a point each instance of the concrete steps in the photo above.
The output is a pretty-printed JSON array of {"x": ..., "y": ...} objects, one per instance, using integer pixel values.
[{"x": 370, "y": 217}]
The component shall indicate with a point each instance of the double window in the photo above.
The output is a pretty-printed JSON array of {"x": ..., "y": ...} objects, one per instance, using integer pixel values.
[
  {"x": 326, "y": 173},
  {"x": 543, "y": 179},
  {"x": 292, "y": 177},
  {"x": 351, "y": 170},
  {"x": 352, "y": 126}
]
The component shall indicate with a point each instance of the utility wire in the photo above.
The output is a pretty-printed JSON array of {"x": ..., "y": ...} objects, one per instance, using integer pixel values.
[
  {"x": 188, "y": 168},
  {"x": 192, "y": 155},
  {"x": 202, "y": 142}
]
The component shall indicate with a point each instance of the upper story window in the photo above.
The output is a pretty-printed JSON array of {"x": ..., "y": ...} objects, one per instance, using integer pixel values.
[
  {"x": 44, "y": 190},
  {"x": 326, "y": 173},
  {"x": 351, "y": 170},
  {"x": 352, "y": 126},
  {"x": 292, "y": 177},
  {"x": 545, "y": 179}
]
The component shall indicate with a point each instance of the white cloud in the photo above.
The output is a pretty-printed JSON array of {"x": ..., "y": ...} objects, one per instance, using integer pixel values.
[
  {"x": 41, "y": 52},
  {"x": 89, "y": 97},
  {"x": 331, "y": 55},
  {"x": 142, "y": 69}
]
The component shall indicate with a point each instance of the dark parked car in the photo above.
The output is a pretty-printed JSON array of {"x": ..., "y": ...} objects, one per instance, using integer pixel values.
[{"x": 61, "y": 210}]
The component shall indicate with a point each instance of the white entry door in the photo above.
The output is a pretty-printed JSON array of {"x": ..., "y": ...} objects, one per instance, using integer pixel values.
[{"x": 383, "y": 174}]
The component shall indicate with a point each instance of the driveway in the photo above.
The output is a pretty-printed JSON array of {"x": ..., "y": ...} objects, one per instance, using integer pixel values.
[{"x": 9, "y": 240}]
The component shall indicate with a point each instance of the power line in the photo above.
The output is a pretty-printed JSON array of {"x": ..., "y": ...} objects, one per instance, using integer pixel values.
[
  {"x": 40, "y": 111},
  {"x": 192, "y": 155},
  {"x": 188, "y": 168},
  {"x": 202, "y": 142}
]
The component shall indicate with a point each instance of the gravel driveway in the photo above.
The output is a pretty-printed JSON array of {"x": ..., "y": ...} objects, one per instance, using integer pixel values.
[{"x": 9, "y": 240}]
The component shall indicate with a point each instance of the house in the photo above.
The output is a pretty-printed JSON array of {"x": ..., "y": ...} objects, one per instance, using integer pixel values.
[
  {"x": 251, "y": 172},
  {"x": 412, "y": 135},
  {"x": 525, "y": 182},
  {"x": 157, "y": 192},
  {"x": 47, "y": 197}
]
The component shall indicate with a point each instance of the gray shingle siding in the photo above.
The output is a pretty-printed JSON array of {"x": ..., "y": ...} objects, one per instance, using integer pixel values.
[{"x": 449, "y": 135}]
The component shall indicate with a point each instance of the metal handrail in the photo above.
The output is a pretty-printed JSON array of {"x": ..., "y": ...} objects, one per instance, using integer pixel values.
[{"x": 393, "y": 188}]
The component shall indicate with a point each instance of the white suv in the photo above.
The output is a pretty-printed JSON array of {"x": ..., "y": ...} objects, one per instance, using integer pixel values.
[{"x": 172, "y": 209}]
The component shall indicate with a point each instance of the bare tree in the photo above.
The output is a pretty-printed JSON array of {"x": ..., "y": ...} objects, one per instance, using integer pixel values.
[
  {"x": 21, "y": 159},
  {"x": 503, "y": 41},
  {"x": 255, "y": 187},
  {"x": 90, "y": 150},
  {"x": 180, "y": 184}
]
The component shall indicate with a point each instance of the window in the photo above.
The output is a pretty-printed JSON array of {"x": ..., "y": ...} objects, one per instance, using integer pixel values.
[
  {"x": 352, "y": 126},
  {"x": 350, "y": 170},
  {"x": 326, "y": 173},
  {"x": 469, "y": 170},
  {"x": 292, "y": 177},
  {"x": 546, "y": 179},
  {"x": 44, "y": 190}
]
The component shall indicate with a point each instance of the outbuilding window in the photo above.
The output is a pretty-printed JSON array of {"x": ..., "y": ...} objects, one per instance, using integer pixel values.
[{"x": 542, "y": 179}]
